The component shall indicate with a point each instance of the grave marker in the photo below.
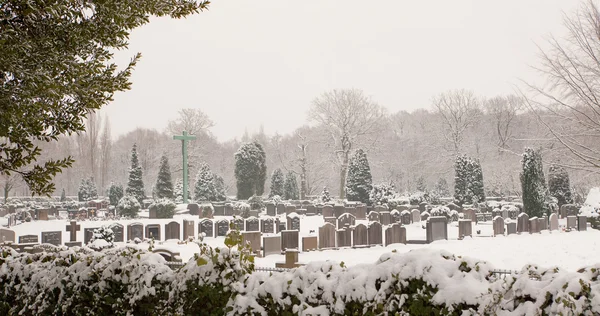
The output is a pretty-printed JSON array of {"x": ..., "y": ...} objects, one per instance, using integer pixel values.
[
  {"x": 309, "y": 243},
  {"x": 327, "y": 236},
  {"x": 437, "y": 228},
  {"x": 73, "y": 228},
  {"x": 360, "y": 236},
  {"x": 374, "y": 233},
  {"x": 267, "y": 226},
  {"x": 206, "y": 227},
  {"x": 581, "y": 223},
  {"x": 7, "y": 235},
  {"x": 222, "y": 227},
  {"x": 553, "y": 222},
  {"x": 271, "y": 245},
  {"x": 416, "y": 215},
  {"x": 498, "y": 224},
  {"x": 522, "y": 223},
  {"x": 54, "y": 238},
  {"x": 88, "y": 233},
  {"x": 135, "y": 230},
  {"x": 173, "y": 231},
  {"x": 28, "y": 239},
  {"x": 465, "y": 228},
  {"x": 289, "y": 239},
  {"x": 252, "y": 224},
  {"x": 153, "y": 230},
  {"x": 343, "y": 237},
  {"x": 118, "y": 232},
  {"x": 254, "y": 239}
]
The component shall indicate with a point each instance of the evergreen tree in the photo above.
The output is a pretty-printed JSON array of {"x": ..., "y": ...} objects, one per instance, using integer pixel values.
[
  {"x": 204, "y": 190},
  {"x": 359, "y": 181},
  {"x": 277, "y": 183},
  {"x": 325, "y": 196},
  {"x": 533, "y": 183},
  {"x": 115, "y": 193},
  {"x": 421, "y": 186},
  {"x": 178, "y": 191},
  {"x": 476, "y": 183},
  {"x": 468, "y": 181},
  {"x": 92, "y": 191},
  {"x": 128, "y": 206},
  {"x": 219, "y": 188},
  {"x": 63, "y": 195},
  {"x": 135, "y": 185},
  {"x": 164, "y": 185},
  {"x": 87, "y": 190},
  {"x": 291, "y": 191},
  {"x": 442, "y": 187},
  {"x": 250, "y": 170},
  {"x": 558, "y": 185}
]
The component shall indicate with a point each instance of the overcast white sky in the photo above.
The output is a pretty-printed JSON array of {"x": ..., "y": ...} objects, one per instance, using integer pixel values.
[{"x": 250, "y": 62}]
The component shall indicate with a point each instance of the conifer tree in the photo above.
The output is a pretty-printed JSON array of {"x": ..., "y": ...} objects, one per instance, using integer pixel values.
[
  {"x": 164, "y": 185},
  {"x": 277, "y": 183},
  {"x": 291, "y": 191},
  {"x": 325, "y": 196},
  {"x": 421, "y": 186},
  {"x": 63, "y": 195},
  {"x": 219, "y": 188},
  {"x": 87, "y": 190},
  {"x": 359, "y": 181},
  {"x": 558, "y": 185},
  {"x": 115, "y": 193},
  {"x": 250, "y": 170},
  {"x": 178, "y": 191},
  {"x": 468, "y": 181},
  {"x": 204, "y": 190},
  {"x": 135, "y": 185},
  {"x": 442, "y": 187},
  {"x": 476, "y": 183},
  {"x": 533, "y": 183},
  {"x": 128, "y": 206}
]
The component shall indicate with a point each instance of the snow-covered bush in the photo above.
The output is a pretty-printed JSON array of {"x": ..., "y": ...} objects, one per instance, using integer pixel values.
[
  {"x": 441, "y": 211},
  {"x": 165, "y": 208},
  {"x": 276, "y": 199},
  {"x": 256, "y": 202},
  {"x": 242, "y": 208},
  {"x": 381, "y": 194},
  {"x": 325, "y": 197},
  {"x": 102, "y": 238},
  {"x": 416, "y": 198},
  {"x": 128, "y": 206}
]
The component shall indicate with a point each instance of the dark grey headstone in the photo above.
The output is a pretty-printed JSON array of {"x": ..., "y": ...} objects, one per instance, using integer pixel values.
[
  {"x": 173, "y": 231},
  {"x": 343, "y": 237},
  {"x": 118, "y": 232},
  {"x": 346, "y": 220},
  {"x": 239, "y": 224},
  {"x": 135, "y": 230},
  {"x": 293, "y": 223},
  {"x": 289, "y": 239},
  {"x": 28, "y": 239},
  {"x": 267, "y": 226},
  {"x": 222, "y": 227},
  {"x": 271, "y": 209},
  {"x": 437, "y": 228},
  {"x": 153, "y": 230},
  {"x": 326, "y": 236},
  {"x": 207, "y": 227},
  {"x": 7, "y": 235},
  {"x": 252, "y": 225},
  {"x": 54, "y": 238},
  {"x": 360, "y": 236},
  {"x": 374, "y": 232},
  {"x": 88, "y": 233}
]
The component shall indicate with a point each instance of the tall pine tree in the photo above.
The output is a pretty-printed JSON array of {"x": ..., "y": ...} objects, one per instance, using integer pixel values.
[
  {"x": 533, "y": 183},
  {"x": 220, "y": 188},
  {"x": 250, "y": 170},
  {"x": 87, "y": 190},
  {"x": 115, "y": 193},
  {"x": 468, "y": 181},
  {"x": 135, "y": 185},
  {"x": 359, "y": 181},
  {"x": 277, "y": 183},
  {"x": 164, "y": 185},
  {"x": 63, "y": 195},
  {"x": 476, "y": 183},
  {"x": 442, "y": 187},
  {"x": 558, "y": 185},
  {"x": 178, "y": 191},
  {"x": 291, "y": 191},
  {"x": 204, "y": 189}
]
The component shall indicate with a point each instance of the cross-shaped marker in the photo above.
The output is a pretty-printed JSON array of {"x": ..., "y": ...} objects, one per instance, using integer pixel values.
[
  {"x": 73, "y": 228},
  {"x": 184, "y": 139}
]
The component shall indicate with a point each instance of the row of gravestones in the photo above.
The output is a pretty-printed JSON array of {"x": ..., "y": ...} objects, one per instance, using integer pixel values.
[
  {"x": 533, "y": 225},
  {"x": 219, "y": 228},
  {"x": 360, "y": 235}
]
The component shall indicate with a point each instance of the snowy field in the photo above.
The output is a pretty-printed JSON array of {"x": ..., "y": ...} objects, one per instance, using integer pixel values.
[{"x": 568, "y": 250}]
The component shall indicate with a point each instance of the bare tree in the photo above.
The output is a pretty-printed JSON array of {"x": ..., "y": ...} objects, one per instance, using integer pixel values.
[
  {"x": 570, "y": 99},
  {"x": 8, "y": 183},
  {"x": 88, "y": 144},
  {"x": 459, "y": 110},
  {"x": 193, "y": 121},
  {"x": 503, "y": 111},
  {"x": 350, "y": 117}
]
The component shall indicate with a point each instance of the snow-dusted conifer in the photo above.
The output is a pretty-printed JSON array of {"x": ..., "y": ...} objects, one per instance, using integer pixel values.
[
  {"x": 558, "y": 185},
  {"x": 468, "y": 180},
  {"x": 277, "y": 183},
  {"x": 250, "y": 170},
  {"x": 115, "y": 193},
  {"x": 164, "y": 185},
  {"x": 87, "y": 190},
  {"x": 325, "y": 196},
  {"x": 165, "y": 208},
  {"x": 533, "y": 183},
  {"x": 135, "y": 185},
  {"x": 178, "y": 191},
  {"x": 359, "y": 181},
  {"x": 219, "y": 188},
  {"x": 128, "y": 206},
  {"x": 204, "y": 189},
  {"x": 63, "y": 195},
  {"x": 381, "y": 194},
  {"x": 421, "y": 186},
  {"x": 291, "y": 191},
  {"x": 476, "y": 183},
  {"x": 442, "y": 187}
]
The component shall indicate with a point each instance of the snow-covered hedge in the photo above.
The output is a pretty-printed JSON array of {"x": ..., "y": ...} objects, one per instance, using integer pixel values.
[
  {"x": 129, "y": 281},
  {"x": 164, "y": 208}
]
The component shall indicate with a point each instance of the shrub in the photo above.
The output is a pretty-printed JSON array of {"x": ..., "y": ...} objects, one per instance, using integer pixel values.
[
  {"x": 128, "y": 206},
  {"x": 165, "y": 208},
  {"x": 256, "y": 202}
]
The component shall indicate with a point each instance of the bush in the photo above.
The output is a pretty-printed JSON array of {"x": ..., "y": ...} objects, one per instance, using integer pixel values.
[
  {"x": 164, "y": 208},
  {"x": 128, "y": 206},
  {"x": 256, "y": 203},
  {"x": 242, "y": 208}
]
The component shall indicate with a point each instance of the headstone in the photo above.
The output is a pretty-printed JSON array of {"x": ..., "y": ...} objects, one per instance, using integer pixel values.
[
  {"x": 361, "y": 212},
  {"x": 173, "y": 231},
  {"x": 311, "y": 210},
  {"x": 522, "y": 223},
  {"x": 374, "y": 233},
  {"x": 581, "y": 223},
  {"x": 543, "y": 223},
  {"x": 271, "y": 211},
  {"x": 360, "y": 236},
  {"x": 293, "y": 222},
  {"x": 505, "y": 213},
  {"x": 498, "y": 223},
  {"x": 553, "y": 222},
  {"x": 42, "y": 214},
  {"x": 338, "y": 210},
  {"x": 395, "y": 234},
  {"x": 252, "y": 224},
  {"x": 26, "y": 239},
  {"x": 396, "y": 218},
  {"x": 7, "y": 235},
  {"x": 309, "y": 243},
  {"x": 194, "y": 209},
  {"x": 385, "y": 218},
  {"x": 280, "y": 208},
  {"x": 465, "y": 228},
  {"x": 571, "y": 222},
  {"x": 228, "y": 210},
  {"x": 267, "y": 226},
  {"x": 328, "y": 211},
  {"x": 289, "y": 209},
  {"x": 73, "y": 228},
  {"x": 206, "y": 227},
  {"x": 118, "y": 232},
  {"x": 511, "y": 228},
  {"x": 350, "y": 210},
  {"x": 280, "y": 226},
  {"x": 343, "y": 237},
  {"x": 327, "y": 236},
  {"x": 271, "y": 245},
  {"x": 135, "y": 230},
  {"x": 568, "y": 210},
  {"x": 219, "y": 210},
  {"x": 152, "y": 213},
  {"x": 88, "y": 233},
  {"x": 289, "y": 239},
  {"x": 54, "y": 238},
  {"x": 534, "y": 225},
  {"x": 188, "y": 229},
  {"x": 406, "y": 217},
  {"x": 253, "y": 238},
  {"x": 238, "y": 223},
  {"x": 153, "y": 231},
  {"x": 437, "y": 228},
  {"x": 373, "y": 216},
  {"x": 222, "y": 228},
  {"x": 346, "y": 220},
  {"x": 470, "y": 214},
  {"x": 416, "y": 215}
]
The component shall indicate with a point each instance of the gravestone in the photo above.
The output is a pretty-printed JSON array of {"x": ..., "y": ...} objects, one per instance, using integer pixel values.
[
  {"x": 505, "y": 213},
  {"x": 581, "y": 223},
  {"x": 206, "y": 227},
  {"x": 338, "y": 210},
  {"x": 27, "y": 239},
  {"x": 343, "y": 237},
  {"x": 172, "y": 231},
  {"x": 7, "y": 235},
  {"x": 289, "y": 209},
  {"x": 188, "y": 229},
  {"x": 228, "y": 210},
  {"x": 311, "y": 210},
  {"x": 238, "y": 223},
  {"x": 374, "y": 234},
  {"x": 437, "y": 228},
  {"x": 219, "y": 210},
  {"x": 498, "y": 224},
  {"x": 88, "y": 233},
  {"x": 553, "y": 222},
  {"x": 385, "y": 218},
  {"x": 511, "y": 228},
  {"x": 153, "y": 230},
  {"x": 568, "y": 210},
  {"x": 280, "y": 226},
  {"x": 571, "y": 222},
  {"x": 54, "y": 238},
  {"x": 350, "y": 210},
  {"x": 252, "y": 224},
  {"x": 280, "y": 208},
  {"x": 271, "y": 211},
  {"x": 470, "y": 214},
  {"x": 543, "y": 223},
  {"x": 331, "y": 220},
  {"x": 152, "y": 213},
  {"x": 327, "y": 236},
  {"x": 289, "y": 239},
  {"x": 424, "y": 216},
  {"x": 416, "y": 215},
  {"x": 118, "y": 232},
  {"x": 293, "y": 222},
  {"x": 361, "y": 212},
  {"x": 271, "y": 245},
  {"x": 135, "y": 230},
  {"x": 465, "y": 228},
  {"x": 423, "y": 206},
  {"x": 346, "y": 220},
  {"x": 522, "y": 223},
  {"x": 360, "y": 236},
  {"x": 328, "y": 211},
  {"x": 194, "y": 209},
  {"x": 396, "y": 218},
  {"x": 373, "y": 216},
  {"x": 73, "y": 228},
  {"x": 222, "y": 227},
  {"x": 534, "y": 225},
  {"x": 253, "y": 238},
  {"x": 406, "y": 217},
  {"x": 42, "y": 214},
  {"x": 267, "y": 226},
  {"x": 309, "y": 243},
  {"x": 395, "y": 234}
]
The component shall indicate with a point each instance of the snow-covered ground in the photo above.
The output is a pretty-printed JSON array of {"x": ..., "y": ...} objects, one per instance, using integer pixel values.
[{"x": 568, "y": 250}]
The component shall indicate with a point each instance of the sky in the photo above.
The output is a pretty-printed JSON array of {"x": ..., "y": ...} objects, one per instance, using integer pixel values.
[{"x": 253, "y": 63}]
